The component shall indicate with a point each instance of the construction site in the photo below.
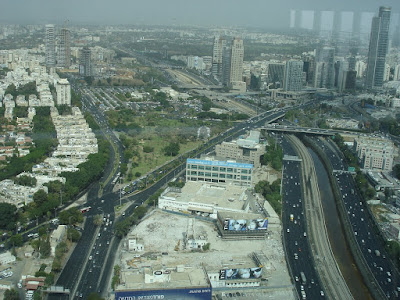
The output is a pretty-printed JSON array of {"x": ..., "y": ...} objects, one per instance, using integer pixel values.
[{"x": 170, "y": 252}]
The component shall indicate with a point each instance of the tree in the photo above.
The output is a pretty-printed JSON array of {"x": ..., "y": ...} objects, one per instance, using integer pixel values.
[
  {"x": 11, "y": 294},
  {"x": 8, "y": 216},
  {"x": 94, "y": 296},
  {"x": 98, "y": 220},
  {"x": 16, "y": 240},
  {"x": 45, "y": 248},
  {"x": 172, "y": 149},
  {"x": 73, "y": 234},
  {"x": 40, "y": 197},
  {"x": 70, "y": 216}
]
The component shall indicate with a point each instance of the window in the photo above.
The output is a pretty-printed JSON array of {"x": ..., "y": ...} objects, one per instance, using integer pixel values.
[
  {"x": 208, "y": 168},
  {"x": 201, "y": 173},
  {"x": 194, "y": 167},
  {"x": 229, "y": 176},
  {"x": 229, "y": 170},
  {"x": 222, "y": 169},
  {"x": 221, "y": 175},
  {"x": 208, "y": 174},
  {"x": 215, "y": 169},
  {"x": 214, "y": 174},
  {"x": 201, "y": 167},
  {"x": 193, "y": 173}
]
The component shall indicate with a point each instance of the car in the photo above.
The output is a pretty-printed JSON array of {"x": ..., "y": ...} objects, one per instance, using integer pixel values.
[
  {"x": 322, "y": 293},
  {"x": 296, "y": 278},
  {"x": 90, "y": 257},
  {"x": 301, "y": 288},
  {"x": 288, "y": 230}
]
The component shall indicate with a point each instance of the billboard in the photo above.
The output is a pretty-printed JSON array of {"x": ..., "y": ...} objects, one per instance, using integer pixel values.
[
  {"x": 245, "y": 225},
  {"x": 170, "y": 294},
  {"x": 244, "y": 273}
]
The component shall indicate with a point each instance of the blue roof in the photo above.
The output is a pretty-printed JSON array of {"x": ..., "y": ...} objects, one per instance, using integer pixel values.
[{"x": 218, "y": 163}]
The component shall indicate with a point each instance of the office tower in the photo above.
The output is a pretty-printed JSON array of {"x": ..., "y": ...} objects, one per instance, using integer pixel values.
[
  {"x": 85, "y": 65},
  {"x": 324, "y": 76},
  {"x": 396, "y": 75},
  {"x": 63, "y": 90},
  {"x": 236, "y": 73},
  {"x": 232, "y": 62},
  {"x": 64, "y": 49},
  {"x": 50, "y": 46},
  {"x": 378, "y": 47},
  {"x": 218, "y": 48},
  {"x": 276, "y": 72},
  {"x": 293, "y": 75}
]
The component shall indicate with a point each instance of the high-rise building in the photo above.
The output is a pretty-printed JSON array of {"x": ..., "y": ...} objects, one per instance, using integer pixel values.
[
  {"x": 50, "y": 46},
  {"x": 63, "y": 90},
  {"x": 378, "y": 47},
  {"x": 232, "y": 62},
  {"x": 276, "y": 72},
  {"x": 293, "y": 75},
  {"x": 237, "y": 60},
  {"x": 218, "y": 48},
  {"x": 85, "y": 64},
  {"x": 324, "y": 76},
  {"x": 64, "y": 49}
]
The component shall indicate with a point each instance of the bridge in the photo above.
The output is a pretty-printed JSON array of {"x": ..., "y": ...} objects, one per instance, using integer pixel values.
[{"x": 54, "y": 289}]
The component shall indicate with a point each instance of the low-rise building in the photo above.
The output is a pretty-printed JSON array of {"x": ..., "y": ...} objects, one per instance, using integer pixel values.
[
  {"x": 217, "y": 171},
  {"x": 374, "y": 153}
]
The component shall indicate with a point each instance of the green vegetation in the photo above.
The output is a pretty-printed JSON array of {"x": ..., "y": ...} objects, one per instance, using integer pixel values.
[
  {"x": 73, "y": 235},
  {"x": 206, "y": 247},
  {"x": 26, "y": 90},
  {"x": 94, "y": 296},
  {"x": 172, "y": 149},
  {"x": 213, "y": 115},
  {"x": 271, "y": 193},
  {"x": 351, "y": 159},
  {"x": 116, "y": 278},
  {"x": 44, "y": 138},
  {"x": 70, "y": 216},
  {"x": 8, "y": 216},
  {"x": 393, "y": 248},
  {"x": 11, "y": 294},
  {"x": 273, "y": 155},
  {"x": 25, "y": 180}
]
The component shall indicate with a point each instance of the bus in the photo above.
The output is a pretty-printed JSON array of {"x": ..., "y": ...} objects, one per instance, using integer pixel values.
[
  {"x": 85, "y": 209},
  {"x": 116, "y": 178},
  {"x": 303, "y": 278}
]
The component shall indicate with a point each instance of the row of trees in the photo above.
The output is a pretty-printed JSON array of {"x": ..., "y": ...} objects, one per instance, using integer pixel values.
[
  {"x": 273, "y": 155},
  {"x": 213, "y": 115},
  {"x": 271, "y": 193}
]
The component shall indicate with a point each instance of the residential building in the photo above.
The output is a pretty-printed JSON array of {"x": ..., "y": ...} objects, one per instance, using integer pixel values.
[
  {"x": 293, "y": 80},
  {"x": 378, "y": 47},
  {"x": 63, "y": 90},
  {"x": 64, "y": 49},
  {"x": 50, "y": 45}
]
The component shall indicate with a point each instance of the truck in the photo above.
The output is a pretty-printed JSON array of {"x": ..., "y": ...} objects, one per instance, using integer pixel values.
[
  {"x": 377, "y": 253},
  {"x": 303, "y": 278},
  {"x": 291, "y": 217}
]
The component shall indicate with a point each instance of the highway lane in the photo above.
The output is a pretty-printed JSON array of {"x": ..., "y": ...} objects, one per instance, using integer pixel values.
[{"x": 298, "y": 251}]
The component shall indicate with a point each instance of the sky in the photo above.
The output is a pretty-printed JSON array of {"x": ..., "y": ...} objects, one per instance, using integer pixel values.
[{"x": 255, "y": 13}]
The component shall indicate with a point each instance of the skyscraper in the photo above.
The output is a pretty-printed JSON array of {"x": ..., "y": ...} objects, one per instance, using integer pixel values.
[
  {"x": 50, "y": 46},
  {"x": 232, "y": 62},
  {"x": 236, "y": 73},
  {"x": 293, "y": 75},
  {"x": 218, "y": 48},
  {"x": 85, "y": 62},
  {"x": 378, "y": 47},
  {"x": 64, "y": 49}
]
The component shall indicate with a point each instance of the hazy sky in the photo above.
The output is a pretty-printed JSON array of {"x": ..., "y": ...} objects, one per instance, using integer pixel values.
[{"x": 260, "y": 13}]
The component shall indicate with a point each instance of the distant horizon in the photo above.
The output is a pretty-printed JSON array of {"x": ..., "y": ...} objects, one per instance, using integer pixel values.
[{"x": 256, "y": 13}]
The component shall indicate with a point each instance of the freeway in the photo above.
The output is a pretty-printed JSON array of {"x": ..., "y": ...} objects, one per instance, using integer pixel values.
[
  {"x": 297, "y": 247},
  {"x": 383, "y": 275}
]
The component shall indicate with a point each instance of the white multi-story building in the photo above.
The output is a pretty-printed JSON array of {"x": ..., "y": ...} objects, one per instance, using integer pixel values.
[
  {"x": 63, "y": 90},
  {"x": 374, "y": 153},
  {"x": 210, "y": 170},
  {"x": 236, "y": 70}
]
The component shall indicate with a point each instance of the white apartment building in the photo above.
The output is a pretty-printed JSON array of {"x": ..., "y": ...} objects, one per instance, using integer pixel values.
[
  {"x": 63, "y": 90},
  {"x": 374, "y": 153}
]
